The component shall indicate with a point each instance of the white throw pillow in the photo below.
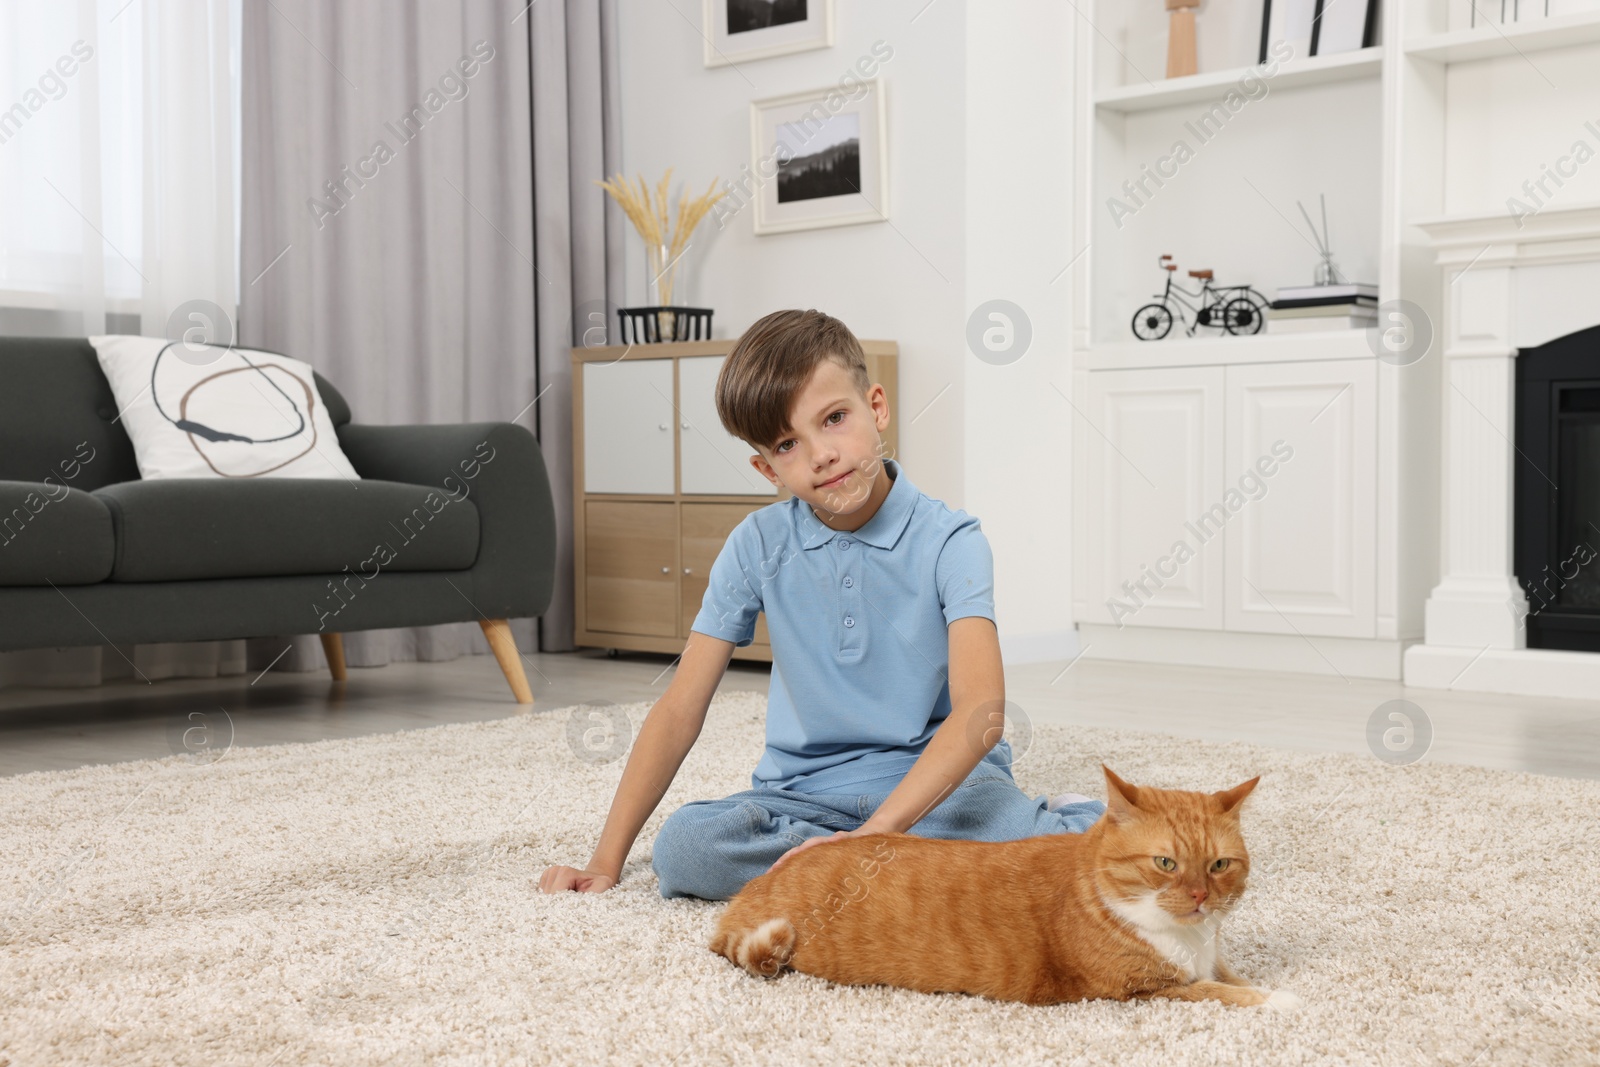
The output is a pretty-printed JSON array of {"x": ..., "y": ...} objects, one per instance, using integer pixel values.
[{"x": 199, "y": 411}]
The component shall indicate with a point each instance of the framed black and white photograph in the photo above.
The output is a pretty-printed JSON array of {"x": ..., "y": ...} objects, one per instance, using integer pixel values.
[
  {"x": 1343, "y": 26},
  {"x": 1291, "y": 21},
  {"x": 740, "y": 30},
  {"x": 820, "y": 158}
]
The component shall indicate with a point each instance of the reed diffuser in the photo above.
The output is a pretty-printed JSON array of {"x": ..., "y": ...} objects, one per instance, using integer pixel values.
[{"x": 664, "y": 245}]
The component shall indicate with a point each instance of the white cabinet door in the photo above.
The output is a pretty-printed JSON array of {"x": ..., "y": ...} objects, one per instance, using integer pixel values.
[
  {"x": 1302, "y": 539},
  {"x": 714, "y": 461},
  {"x": 627, "y": 426},
  {"x": 1152, "y": 466}
]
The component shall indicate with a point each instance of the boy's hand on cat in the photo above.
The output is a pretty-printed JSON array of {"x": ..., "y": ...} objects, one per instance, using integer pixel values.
[
  {"x": 558, "y": 879},
  {"x": 861, "y": 831}
]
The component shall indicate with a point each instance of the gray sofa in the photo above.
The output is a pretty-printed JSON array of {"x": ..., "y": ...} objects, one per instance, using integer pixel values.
[{"x": 449, "y": 523}]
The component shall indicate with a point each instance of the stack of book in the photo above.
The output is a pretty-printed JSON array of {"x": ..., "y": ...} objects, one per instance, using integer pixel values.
[{"x": 1308, "y": 308}]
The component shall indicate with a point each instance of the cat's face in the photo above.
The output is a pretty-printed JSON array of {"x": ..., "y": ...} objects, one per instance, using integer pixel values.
[{"x": 1174, "y": 856}]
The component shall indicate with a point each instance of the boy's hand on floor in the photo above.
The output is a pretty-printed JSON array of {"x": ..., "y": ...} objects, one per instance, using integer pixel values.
[
  {"x": 558, "y": 879},
  {"x": 861, "y": 831}
]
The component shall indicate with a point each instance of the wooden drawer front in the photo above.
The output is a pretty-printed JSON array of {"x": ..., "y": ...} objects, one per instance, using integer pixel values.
[
  {"x": 705, "y": 529},
  {"x": 632, "y": 584}
]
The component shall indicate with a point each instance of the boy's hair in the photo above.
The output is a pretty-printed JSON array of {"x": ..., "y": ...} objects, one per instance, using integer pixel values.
[{"x": 772, "y": 361}]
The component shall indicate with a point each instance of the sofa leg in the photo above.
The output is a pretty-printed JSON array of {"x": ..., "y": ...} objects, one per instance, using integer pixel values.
[
  {"x": 333, "y": 648},
  {"x": 498, "y": 631}
]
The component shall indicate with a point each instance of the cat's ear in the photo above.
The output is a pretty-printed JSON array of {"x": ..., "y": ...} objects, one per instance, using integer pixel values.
[
  {"x": 1232, "y": 798},
  {"x": 1122, "y": 799}
]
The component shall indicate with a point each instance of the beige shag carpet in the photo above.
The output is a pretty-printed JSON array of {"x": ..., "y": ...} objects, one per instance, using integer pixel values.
[{"x": 372, "y": 901}]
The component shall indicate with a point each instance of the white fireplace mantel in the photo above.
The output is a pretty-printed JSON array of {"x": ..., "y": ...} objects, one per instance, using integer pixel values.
[{"x": 1509, "y": 284}]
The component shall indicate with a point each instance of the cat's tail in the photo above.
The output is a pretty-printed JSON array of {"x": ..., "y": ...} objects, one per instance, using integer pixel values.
[{"x": 763, "y": 951}]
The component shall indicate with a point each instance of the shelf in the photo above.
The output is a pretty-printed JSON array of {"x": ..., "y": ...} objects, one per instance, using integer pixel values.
[
  {"x": 1210, "y": 351},
  {"x": 1314, "y": 70},
  {"x": 1488, "y": 42},
  {"x": 1568, "y": 231}
]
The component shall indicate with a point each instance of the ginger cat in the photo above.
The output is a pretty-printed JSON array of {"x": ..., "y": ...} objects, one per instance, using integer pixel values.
[{"x": 1130, "y": 908}]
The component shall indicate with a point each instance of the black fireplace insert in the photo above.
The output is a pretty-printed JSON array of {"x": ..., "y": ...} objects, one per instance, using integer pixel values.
[{"x": 1556, "y": 519}]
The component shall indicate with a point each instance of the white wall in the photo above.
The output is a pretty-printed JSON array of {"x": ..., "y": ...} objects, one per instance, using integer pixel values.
[
  {"x": 1512, "y": 121},
  {"x": 978, "y": 105},
  {"x": 896, "y": 280},
  {"x": 1019, "y": 206}
]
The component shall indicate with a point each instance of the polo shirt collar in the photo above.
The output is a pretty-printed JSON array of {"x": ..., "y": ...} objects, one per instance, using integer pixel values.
[{"x": 885, "y": 526}]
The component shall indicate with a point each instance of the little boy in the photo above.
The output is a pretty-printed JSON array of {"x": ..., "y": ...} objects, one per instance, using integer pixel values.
[{"x": 886, "y": 703}]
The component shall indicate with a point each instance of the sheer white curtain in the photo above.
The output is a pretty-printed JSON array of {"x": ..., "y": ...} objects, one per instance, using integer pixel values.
[
  {"x": 117, "y": 157},
  {"x": 118, "y": 194}
]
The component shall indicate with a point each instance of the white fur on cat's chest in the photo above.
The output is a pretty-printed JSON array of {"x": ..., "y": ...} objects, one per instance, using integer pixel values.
[{"x": 1192, "y": 949}]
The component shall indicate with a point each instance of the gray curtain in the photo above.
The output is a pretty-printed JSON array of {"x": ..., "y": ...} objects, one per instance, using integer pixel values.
[{"x": 419, "y": 222}]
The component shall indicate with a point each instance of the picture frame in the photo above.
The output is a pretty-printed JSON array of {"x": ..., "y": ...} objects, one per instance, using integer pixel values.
[
  {"x": 734, "y": 33},
  {"x": 1292, "y": 21},
  {"x": 1343, "y": 26},
  {"x": 820, "y": 158}
]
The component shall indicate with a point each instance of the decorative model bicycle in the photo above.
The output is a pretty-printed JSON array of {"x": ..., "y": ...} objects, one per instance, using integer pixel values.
[{"x": 1237, "y": 309}]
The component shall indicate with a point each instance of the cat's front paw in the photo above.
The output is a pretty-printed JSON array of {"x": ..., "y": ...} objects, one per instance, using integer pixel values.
[{"x": 1283, "y": 1000}]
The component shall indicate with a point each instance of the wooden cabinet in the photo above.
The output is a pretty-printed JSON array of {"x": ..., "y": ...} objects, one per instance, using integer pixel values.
[{"x": 659, "y": 485}]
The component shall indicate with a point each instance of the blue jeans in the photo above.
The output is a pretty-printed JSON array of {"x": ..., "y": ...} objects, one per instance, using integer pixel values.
[{"x": 711, "y": 848}]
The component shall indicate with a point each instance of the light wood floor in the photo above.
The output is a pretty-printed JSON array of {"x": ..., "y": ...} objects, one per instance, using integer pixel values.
[{"x": 48, "y": 729}]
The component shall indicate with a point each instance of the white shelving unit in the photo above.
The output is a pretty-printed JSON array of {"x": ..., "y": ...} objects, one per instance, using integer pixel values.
[
  {"x": 1209, "y": 351},
  {"x": 1208, "y": 168},
  {"x": 1313, "y": 70},
  {"x": 1328, "y": 569}
]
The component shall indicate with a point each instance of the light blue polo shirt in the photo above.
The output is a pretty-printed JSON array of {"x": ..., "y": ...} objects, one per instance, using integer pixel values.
[{"x": 860, "y": 654}]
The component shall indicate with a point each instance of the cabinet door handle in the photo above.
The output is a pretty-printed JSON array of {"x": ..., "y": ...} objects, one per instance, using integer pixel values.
[
  {"x": 686, "y": 570},
  {"x": 664, "y": 426},
  {"x": 685, "y": 426},
  {"x": 666, "y": 570}
]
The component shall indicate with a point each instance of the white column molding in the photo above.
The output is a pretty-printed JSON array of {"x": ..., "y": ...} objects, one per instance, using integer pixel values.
[
  {"x": 1475, "y": 602},
  {"x": 1474, "y": 620}
]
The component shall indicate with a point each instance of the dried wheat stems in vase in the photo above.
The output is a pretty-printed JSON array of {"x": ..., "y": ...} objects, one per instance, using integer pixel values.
[{"x": 650, "y": 217}]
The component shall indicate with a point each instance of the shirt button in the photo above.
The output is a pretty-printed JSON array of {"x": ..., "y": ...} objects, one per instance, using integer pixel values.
[
  {"x": 848, "y": 581},
  {"x": 844, "y": 545},
  {"x": 849, "y": 620}
]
